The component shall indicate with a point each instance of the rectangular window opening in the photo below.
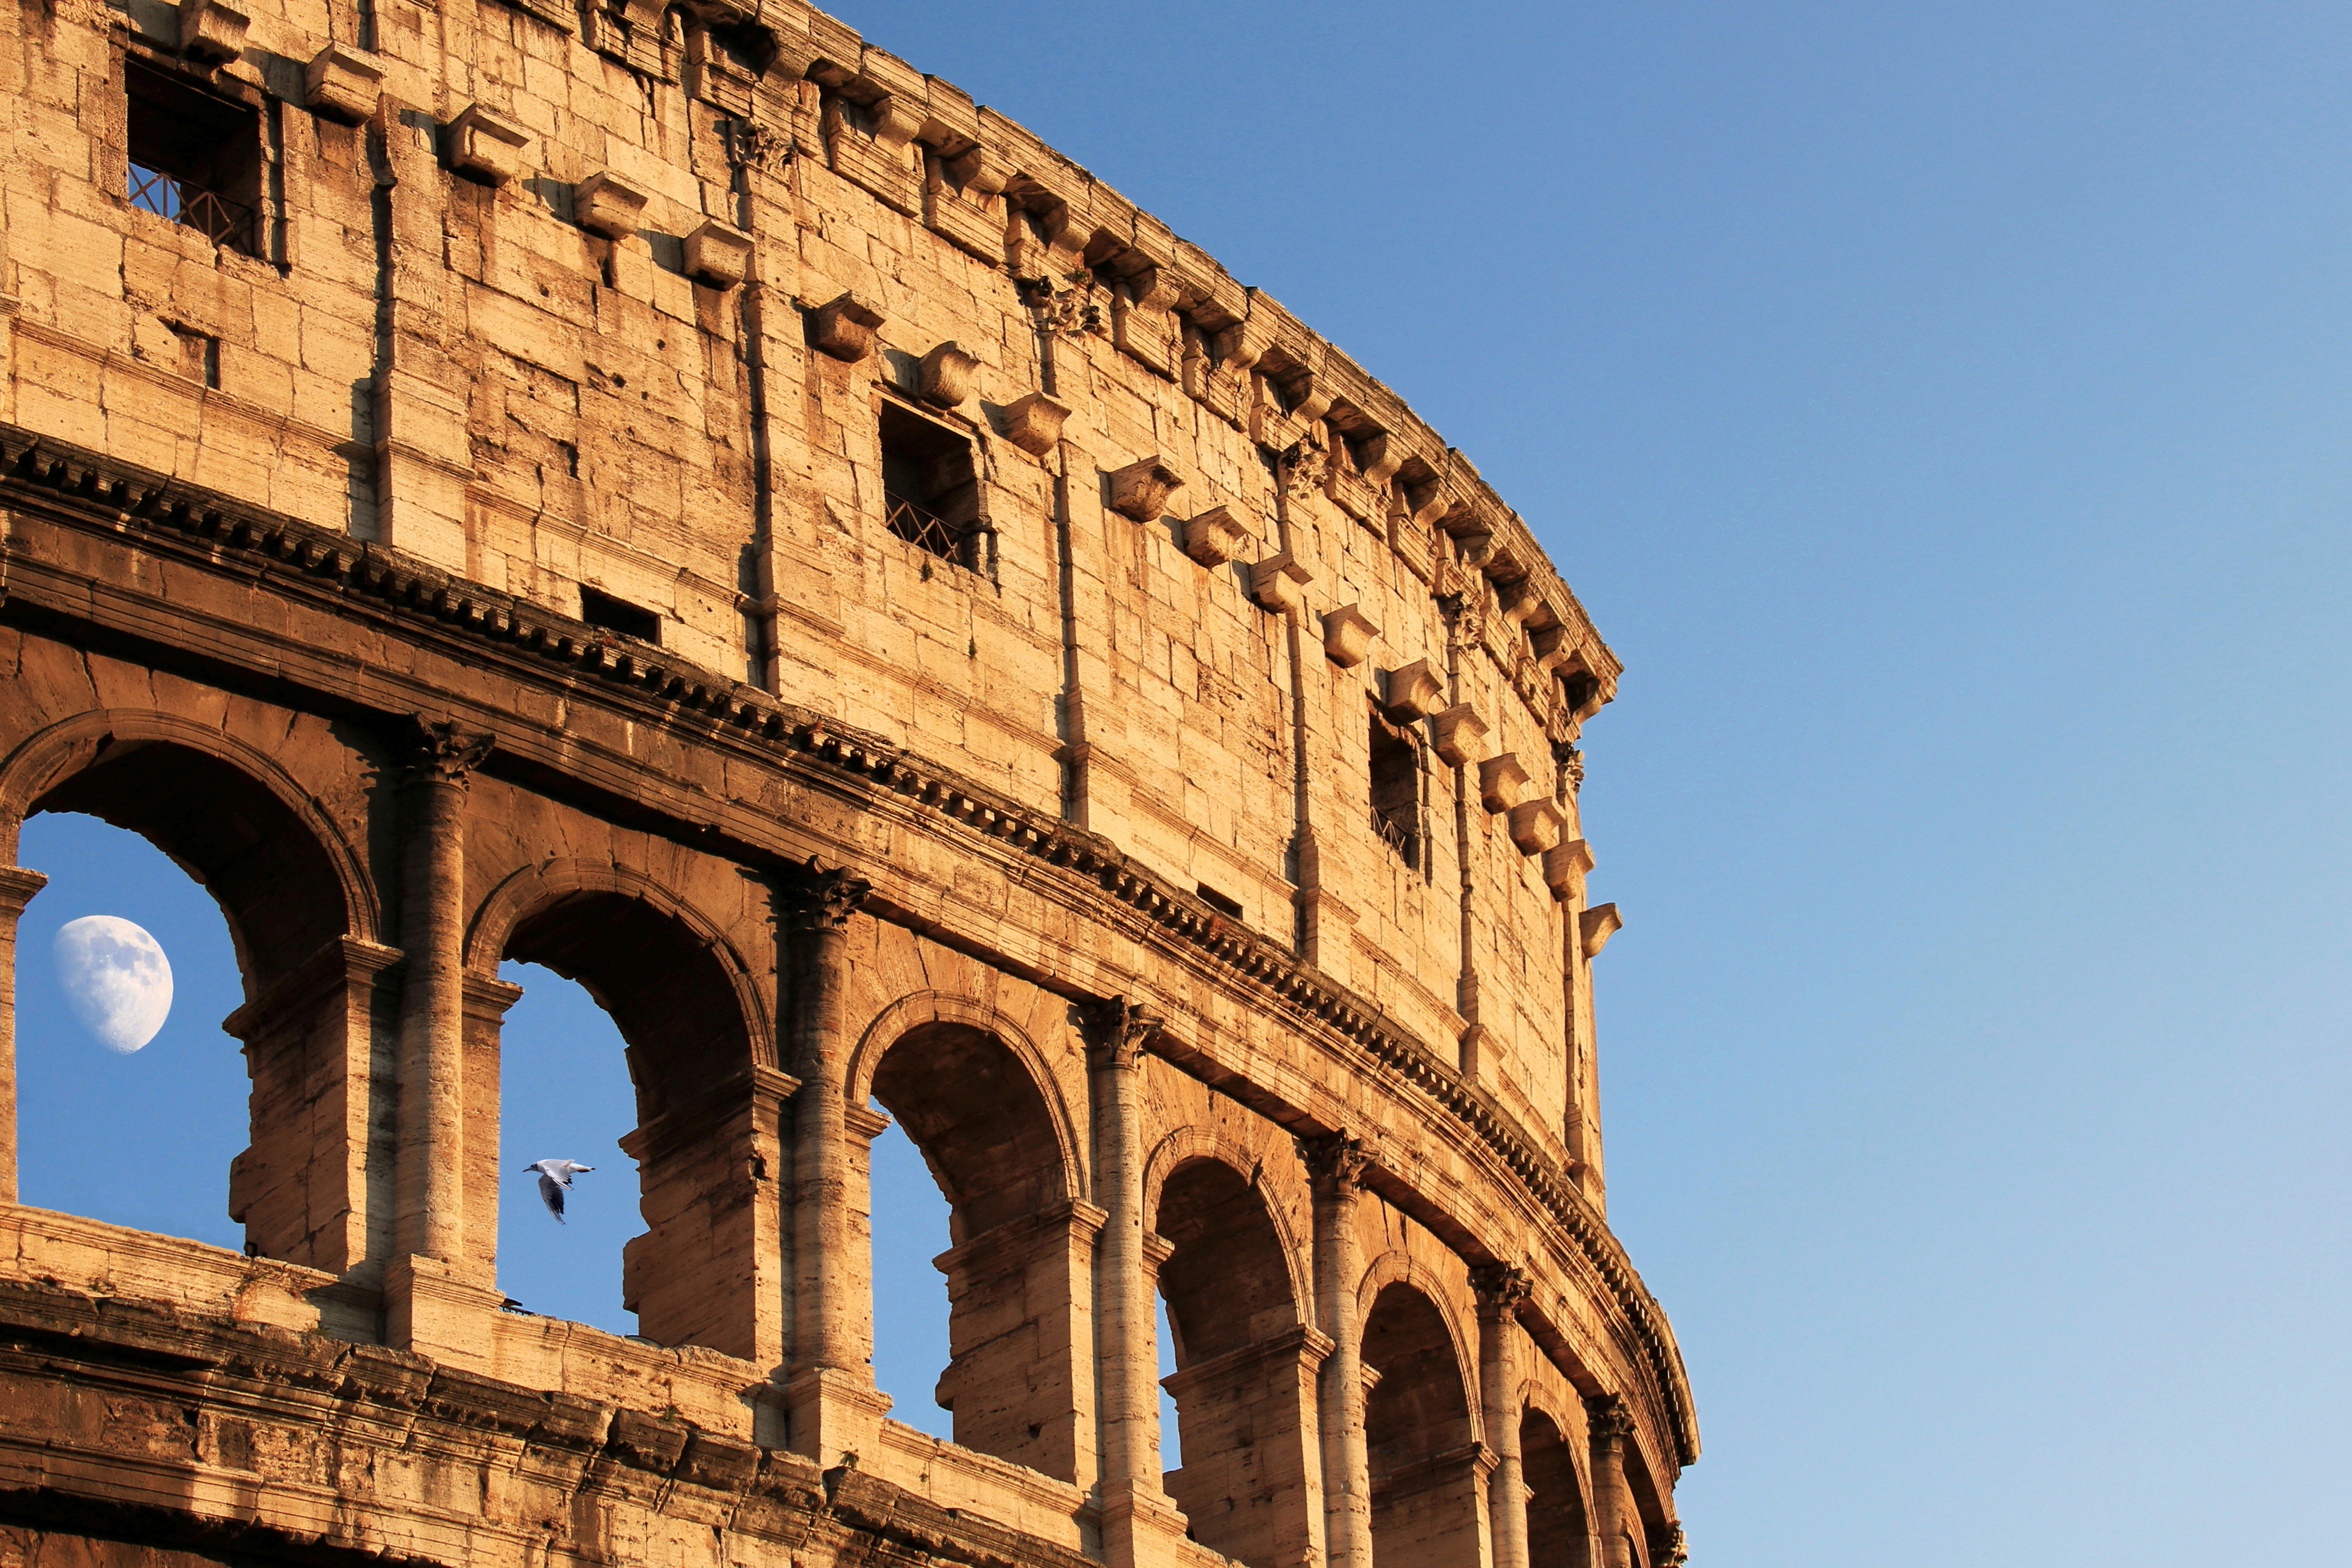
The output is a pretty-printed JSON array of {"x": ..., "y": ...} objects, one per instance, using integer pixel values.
[
  {"x": 1396, "y": 791},
  {"x": 620, "y": 615},
  {"x": 1230, "y": 908},
  {"x": 930, "y": 491},
  {"x": 194, "y": 158}
]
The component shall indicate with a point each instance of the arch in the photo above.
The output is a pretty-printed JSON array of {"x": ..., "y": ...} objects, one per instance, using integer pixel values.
[
  {"x": 1191, "y": 1143},
  {"x": 971, "y": 1093},
  {"x": 665, "y": 972},
  {"x": 1559, "y": 1533},
  {"x": 286, "y": 876},
  {"x": 1397, "y": 1267},
  {"x": 909, "y": 1013},
  {"x": 1246, "y": 1363},
  {"x": 700, "y": 1052},
  {"x": 1421, "y": 1433}
]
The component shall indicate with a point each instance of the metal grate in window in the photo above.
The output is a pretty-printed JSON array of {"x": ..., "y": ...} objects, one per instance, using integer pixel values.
[{"x": 924, "y": 528}]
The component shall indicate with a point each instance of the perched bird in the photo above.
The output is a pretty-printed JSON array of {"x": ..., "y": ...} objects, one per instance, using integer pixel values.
[{"x": 554, "y": 1175}]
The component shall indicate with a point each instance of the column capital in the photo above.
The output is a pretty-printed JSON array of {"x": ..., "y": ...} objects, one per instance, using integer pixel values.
[
  {"x": 1116, "y": 1028},
  {"x": 1336, "y": 1162},
  {"x": 438, "y": 751},
  {"x": 826, "y": 899},
  {"x": 1611, "y": 1423},
  {"x": 1502, "y": 1289},
  {"x": 17, "y": 885},
  {"x": 1667, "y": 1549}
]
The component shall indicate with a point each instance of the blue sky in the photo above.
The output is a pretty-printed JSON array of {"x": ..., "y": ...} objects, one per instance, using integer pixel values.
[{"x": 1944, "y": 410}]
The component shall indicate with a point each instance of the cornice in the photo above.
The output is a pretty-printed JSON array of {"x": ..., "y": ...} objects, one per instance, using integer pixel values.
[{"x": 74, "y": 483}]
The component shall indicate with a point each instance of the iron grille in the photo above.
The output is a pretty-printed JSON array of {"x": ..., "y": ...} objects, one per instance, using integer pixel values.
[
  {"x": 210, "y": 214},
  {"x": 921, "y": 527},
  {"x": 1396, "y": 836}
]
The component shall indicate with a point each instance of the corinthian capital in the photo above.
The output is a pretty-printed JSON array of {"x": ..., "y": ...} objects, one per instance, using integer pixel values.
[
  {"x": 1116, "y": 1028},
  {"x": 1610, "y": 1421},
  {"x": 1335, "y": 1161},
  {"x": 440, "y": 752},
  {"x": 826, "y": 901},
  {"x": 1501, "y": 1287}
]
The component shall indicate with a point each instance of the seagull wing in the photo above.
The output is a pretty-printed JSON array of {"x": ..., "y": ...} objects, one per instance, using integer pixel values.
[{"x": 551, "y": 1192}]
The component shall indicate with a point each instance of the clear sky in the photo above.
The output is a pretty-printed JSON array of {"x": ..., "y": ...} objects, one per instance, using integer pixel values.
[{"x": 1944, "y": 410}]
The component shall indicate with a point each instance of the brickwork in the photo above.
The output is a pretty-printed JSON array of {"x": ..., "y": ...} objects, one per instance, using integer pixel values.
[{"x": 676, "y": 495}]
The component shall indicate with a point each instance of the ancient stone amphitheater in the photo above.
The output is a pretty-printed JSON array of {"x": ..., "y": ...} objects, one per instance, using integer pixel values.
[{"x": 678, "y": 496}]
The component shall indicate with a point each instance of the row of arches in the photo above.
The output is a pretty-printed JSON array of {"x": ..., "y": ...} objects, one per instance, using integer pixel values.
[{"x": 311, "y": 884}]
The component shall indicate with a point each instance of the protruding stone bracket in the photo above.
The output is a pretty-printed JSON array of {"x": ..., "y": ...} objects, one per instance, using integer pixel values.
[
  {"x": 1536, "y": 826},
  {"x": 1596, "y": 926},
  {"x": 1565, "y": 866},
  {"x": 488, "y": 146},
  {"x": 844, "y": 327},
  {"x": 1502, "y": 781},
  {"x": 1460, "y": 735},
  {"x": 1554, "y": 647},
  {"x": 1214, "y": 537},
  {"x": 1414, "y": 692},
  {"x": 608, "y": 205},
  {"x": 211, "y": 33},
  {"x": 1032, "y": 422},
  {"x": 1348, "y": 635},
  {"x": 718, "y": 255},
  {"x": 1141, "y": 489},
  {"x": 943, "y": 379},
  {"x": 1279, "y": 582},
  {"x": 343, "y": 83}
]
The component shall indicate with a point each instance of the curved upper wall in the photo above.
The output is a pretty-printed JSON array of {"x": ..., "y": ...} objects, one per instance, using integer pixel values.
[{"x": 610, "y": 308}]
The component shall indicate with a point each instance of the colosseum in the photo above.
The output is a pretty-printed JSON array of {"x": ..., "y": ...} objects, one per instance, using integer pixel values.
[{"x": 678, "y": 496}]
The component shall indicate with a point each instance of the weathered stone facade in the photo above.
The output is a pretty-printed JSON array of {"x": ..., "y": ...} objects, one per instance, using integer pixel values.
[{"x": 679, "y": 496}]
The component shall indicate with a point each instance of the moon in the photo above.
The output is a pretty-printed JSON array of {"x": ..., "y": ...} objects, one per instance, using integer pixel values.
[{"x": 117, "y": 979}]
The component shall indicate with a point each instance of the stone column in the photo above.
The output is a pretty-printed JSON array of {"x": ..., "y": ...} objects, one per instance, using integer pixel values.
[
  {"x": 429, "y": 1200},
  {"x": 1136, "y": 1508},
  {"x": 1334, "y": 1168},
  {"x": 17, "y": 887},
  {"x": 436, "y": 1302},
  {"x": 1613, "y": 1511},
  {"x": 1501, "y": 1289},
  {"x": 829, "y": 1381}
]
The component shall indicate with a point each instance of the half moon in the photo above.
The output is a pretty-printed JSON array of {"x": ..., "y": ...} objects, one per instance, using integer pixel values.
[{"x": 116, "y": 978}]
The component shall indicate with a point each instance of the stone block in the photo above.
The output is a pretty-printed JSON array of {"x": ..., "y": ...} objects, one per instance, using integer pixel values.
[
  {"x": 1214, "y": 537},
  {"x": 1032, "y": 422},
  {"x": 1142, "y": 489},
  {"x": 1348, "y": 635},
  {"x": 607, "y": 205},
  {"x": 211, "y": 33},
  {"x": 1279, "y": 582},
  {"x": 1502, "y": 782},
  {"x": 1459, "y": 735},
  {"x": 943, "y": 377},
  {"x": 844, "y": 327},
  {"x": 1414, "y": 692},
  {"x": 343, "y": 83},
  {"x": 487, "y": 145},
  {"x": 718, "y": 254}
]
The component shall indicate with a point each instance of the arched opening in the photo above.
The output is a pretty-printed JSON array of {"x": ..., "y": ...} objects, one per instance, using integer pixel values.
[
  {"x": 301, "y": 1183},
  {"x": 908, "y": 1221},
  {"x": 145, "y": 1138},
  {"x": 992, "y": 1145},
  {"x": 1427, "y": 1490},
  {"x": 563, "y": 1093},
  {"x": 1244, "y": 1366},
  {"x": 1558, "y": 1536},
  {"x": 705, "y": 1269}
]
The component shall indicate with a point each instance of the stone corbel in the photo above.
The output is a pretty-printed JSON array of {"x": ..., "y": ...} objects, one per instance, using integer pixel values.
[
  {"x": 608, "y": 205},
  {"x": 1553, "y": 646},
  {"x": 1242, "y": 344},
  {"x": 1501, "y": 781},
  {"x": 343, "y": 83},
  {"x": 844, "y": 327},
  {"x": 1278, "y": 583},
  {"x": 1564, "y": 869},
  {"x": 1536, "y": 826},
  {"x": 944, "y": 377},
  {"x": 1032, "y": 422},
  {"x": 718, "y": 254},
  {"x": 1348, "y": 635},
  {"x": 1596, "y": 926},
  {"x": 1141, "y": 489},
  {"x": 1414, "y": 692},
  {"x": 1141, "y": 324},
  {"x": 1517, "y": 597},
  {"x": 488, "y": 146},
  {"x": 211, "y": 33},
  {"x": 1378, "y": 457},
  {"x": 1214, "y": 537},
  {"x": 1460, "y": 735},
  {"x": 978, "y": 170},
  {"x": 895, "y": 119}
]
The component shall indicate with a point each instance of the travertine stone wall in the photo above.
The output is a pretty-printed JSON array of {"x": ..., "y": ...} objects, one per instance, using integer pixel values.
[{"x": 476, "y": 527}]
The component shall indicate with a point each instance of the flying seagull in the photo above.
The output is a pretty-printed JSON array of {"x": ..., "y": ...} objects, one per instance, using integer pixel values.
[{"x": 554, "y": 1175}]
